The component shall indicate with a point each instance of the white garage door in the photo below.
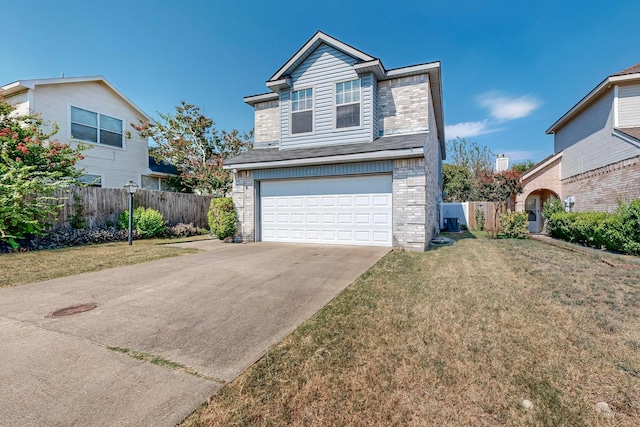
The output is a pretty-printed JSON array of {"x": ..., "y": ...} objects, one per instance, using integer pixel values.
[{"x": 344, "y": 211}]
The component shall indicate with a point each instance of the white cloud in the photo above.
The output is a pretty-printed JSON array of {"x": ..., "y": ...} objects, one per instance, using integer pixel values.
[
  {"x": 503, "y": 108},
  {"x": 468, "y": 129}
]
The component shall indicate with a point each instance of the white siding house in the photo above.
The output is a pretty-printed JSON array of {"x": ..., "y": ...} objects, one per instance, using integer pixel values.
[
  {"x": 346, "y": 152},
  {"x": 92, "y": 111}
]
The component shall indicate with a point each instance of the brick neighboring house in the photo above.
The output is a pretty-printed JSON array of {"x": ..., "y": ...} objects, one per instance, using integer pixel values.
[
  {"x": 597, "y": 146},
  {"x": 346, "y": 152}
]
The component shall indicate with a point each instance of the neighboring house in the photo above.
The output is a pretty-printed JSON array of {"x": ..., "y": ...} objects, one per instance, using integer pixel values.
[
  {"x": 346, "y": 152},
  {"x": 158, "y": 176},
  {"x": 93, "y": 111},
  {"x": 597, "y": 152}
]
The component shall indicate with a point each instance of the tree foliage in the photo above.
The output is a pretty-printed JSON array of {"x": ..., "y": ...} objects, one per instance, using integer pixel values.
[
  {"x": 32, "y": 168},
  {"x": 467, "y": 161},
  {"x": 498, "y": 187},
  {"x": 523, "y": 166},
  {"x": 457, "y": 182},
  {"x": 189, "y": 140},
  {"x": 469, "y": 154}
]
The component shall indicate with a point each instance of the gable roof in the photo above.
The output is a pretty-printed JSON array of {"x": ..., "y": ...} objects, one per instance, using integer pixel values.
[
  {"x": 366, "y": 64},
  {"x": 628, "y": 74},
  {"x": 21, "y": 85},
  {"x": 540, "y": 165},
  {"x": 312, "y": 44}
]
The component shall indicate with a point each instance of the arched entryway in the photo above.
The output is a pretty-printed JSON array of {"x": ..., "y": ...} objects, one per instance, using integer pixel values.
[{"x": 533, "y": 207}]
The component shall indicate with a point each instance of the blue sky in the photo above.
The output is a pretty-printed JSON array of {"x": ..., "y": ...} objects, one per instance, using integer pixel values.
[{"x": 509, "y": 68}]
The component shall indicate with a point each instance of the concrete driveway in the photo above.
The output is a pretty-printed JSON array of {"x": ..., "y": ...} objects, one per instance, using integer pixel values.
[{"x": 215, "y": 312}]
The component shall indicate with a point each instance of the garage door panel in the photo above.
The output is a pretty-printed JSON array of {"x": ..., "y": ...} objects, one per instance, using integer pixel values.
[
  {"x": 347, "y": 210},
  {"x": 381, "y": 218},
  {"x": 345, "y": 218}
]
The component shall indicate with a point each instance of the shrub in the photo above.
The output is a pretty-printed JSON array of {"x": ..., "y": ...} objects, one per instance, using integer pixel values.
[
  {"x": 514, "y": 225},
  {"x": 618, "y": 231},
  {"x": 65, "y": 237},
  {"x": 222, "y": 218},
  {"x": 480, "y": 220},
  {"x": 550, "y": 207},
  {"x": 147, "y": 222},
  {"x": 183, "y": 230}
]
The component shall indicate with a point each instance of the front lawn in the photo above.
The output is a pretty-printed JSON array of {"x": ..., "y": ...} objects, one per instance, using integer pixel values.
[
  {"x": 28, "y": 267},
  {"x": 459, "y": 335}
]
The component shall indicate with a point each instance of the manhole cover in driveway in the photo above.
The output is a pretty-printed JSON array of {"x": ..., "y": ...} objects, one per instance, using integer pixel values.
[{"x": 74, "y": 309}]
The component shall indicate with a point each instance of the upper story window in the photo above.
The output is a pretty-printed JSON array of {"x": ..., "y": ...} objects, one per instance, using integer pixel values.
[
  {"x": 348, "y": 104},
  {"x": 98, "y": 128},
  {"x": 302, "y": 111}
]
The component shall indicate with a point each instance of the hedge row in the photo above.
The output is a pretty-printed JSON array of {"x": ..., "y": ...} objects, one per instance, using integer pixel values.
[{"x": 618, "y": 231}]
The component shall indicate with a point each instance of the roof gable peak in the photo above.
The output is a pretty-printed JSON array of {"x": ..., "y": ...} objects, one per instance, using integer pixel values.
[{"x": 310, "y": 46}]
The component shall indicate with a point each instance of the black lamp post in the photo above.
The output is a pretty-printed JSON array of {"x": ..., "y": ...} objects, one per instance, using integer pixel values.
[{"x": 131, "y": 187}]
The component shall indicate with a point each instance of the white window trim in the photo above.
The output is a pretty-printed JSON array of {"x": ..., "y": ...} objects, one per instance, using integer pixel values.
[
  {"x": 335, "y": 107},
  {"x": 313, "y": 111},
  {"x": 96, "y": 144}
]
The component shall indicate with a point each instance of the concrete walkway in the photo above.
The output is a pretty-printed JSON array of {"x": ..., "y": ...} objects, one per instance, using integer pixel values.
[{"x": 215, "y": 312}]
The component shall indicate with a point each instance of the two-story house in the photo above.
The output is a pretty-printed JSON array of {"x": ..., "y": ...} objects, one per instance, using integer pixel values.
[
  {"x": 597, "y": 152},
  {"x": 92, "y": 111},
  {"x": 346, "y": 152}
]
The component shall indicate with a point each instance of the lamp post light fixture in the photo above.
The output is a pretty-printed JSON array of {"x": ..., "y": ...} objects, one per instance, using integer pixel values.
[{"x": 131, "y": 187}]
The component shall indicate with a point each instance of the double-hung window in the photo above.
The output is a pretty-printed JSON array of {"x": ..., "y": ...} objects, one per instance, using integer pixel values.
[
  {"x": 302, "y": 111},
  {"x": 348, "y": 104},
  {"x": 97, "y": 128}
]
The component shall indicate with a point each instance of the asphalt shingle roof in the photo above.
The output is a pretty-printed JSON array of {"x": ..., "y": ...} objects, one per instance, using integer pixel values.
[
  {"x": 632, "y": 132},
  {"x": 385, "y": 143},
  {"x": 631, "y": 70}
]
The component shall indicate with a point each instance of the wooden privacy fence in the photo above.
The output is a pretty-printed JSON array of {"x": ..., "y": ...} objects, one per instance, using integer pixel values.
[
  {"x": 100, "y": 207},
  {"x": 489, "y": 209}
]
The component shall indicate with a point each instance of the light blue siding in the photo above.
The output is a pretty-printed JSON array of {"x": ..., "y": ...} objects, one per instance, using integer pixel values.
[
  {"x": 326, "y": 170},
  {"x": 587, "y": 141},
  {"x": 321, "y": 70},
  {"x": 374, "y": 110}
]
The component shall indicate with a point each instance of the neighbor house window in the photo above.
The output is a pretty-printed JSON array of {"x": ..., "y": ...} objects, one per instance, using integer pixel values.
[
  {"x": 348, "y": 104},
  {"x": 156, "y": 183},
  {"x": 302, "y": 111},
  {"x": 94, "y": 127},
  {"x": 91, "y": 180}
]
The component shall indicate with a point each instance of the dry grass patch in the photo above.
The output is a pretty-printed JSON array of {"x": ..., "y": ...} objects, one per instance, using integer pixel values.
[
  {"x": 30, "y": 267},
  {"x": 456, "y": 336}
]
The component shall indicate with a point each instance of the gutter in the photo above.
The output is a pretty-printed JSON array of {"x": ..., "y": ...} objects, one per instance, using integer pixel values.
[{"x": 345, "y": 158}]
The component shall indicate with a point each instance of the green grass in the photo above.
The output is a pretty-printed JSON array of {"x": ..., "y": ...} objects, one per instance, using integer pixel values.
[
  {"x": 29, "y": 267},
  {"x": 160, "y": 361},
  {"x": 456, "y": 336}
]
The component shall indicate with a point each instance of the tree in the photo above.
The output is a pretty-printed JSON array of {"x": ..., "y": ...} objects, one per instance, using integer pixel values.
[
  {"x": 469, "y": 154},
  {"x": 498, "y": 188},
  {"x": 457, "y": 182},
  {"x": 32, "y": 168},
  {"x": 523, "y": 166},
  {"x": 189, "y": 141}
]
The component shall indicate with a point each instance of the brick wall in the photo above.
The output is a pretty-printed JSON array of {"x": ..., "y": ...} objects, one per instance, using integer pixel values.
[
  {"x": 547, "y": 178},
  {"x": 243, "y": 195},
  {"x": 267, "y": 126},
  {"x": 403, "y": 105},
  {"x": 410, "y": 204},
  {"x": 600, "y": 189}
]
